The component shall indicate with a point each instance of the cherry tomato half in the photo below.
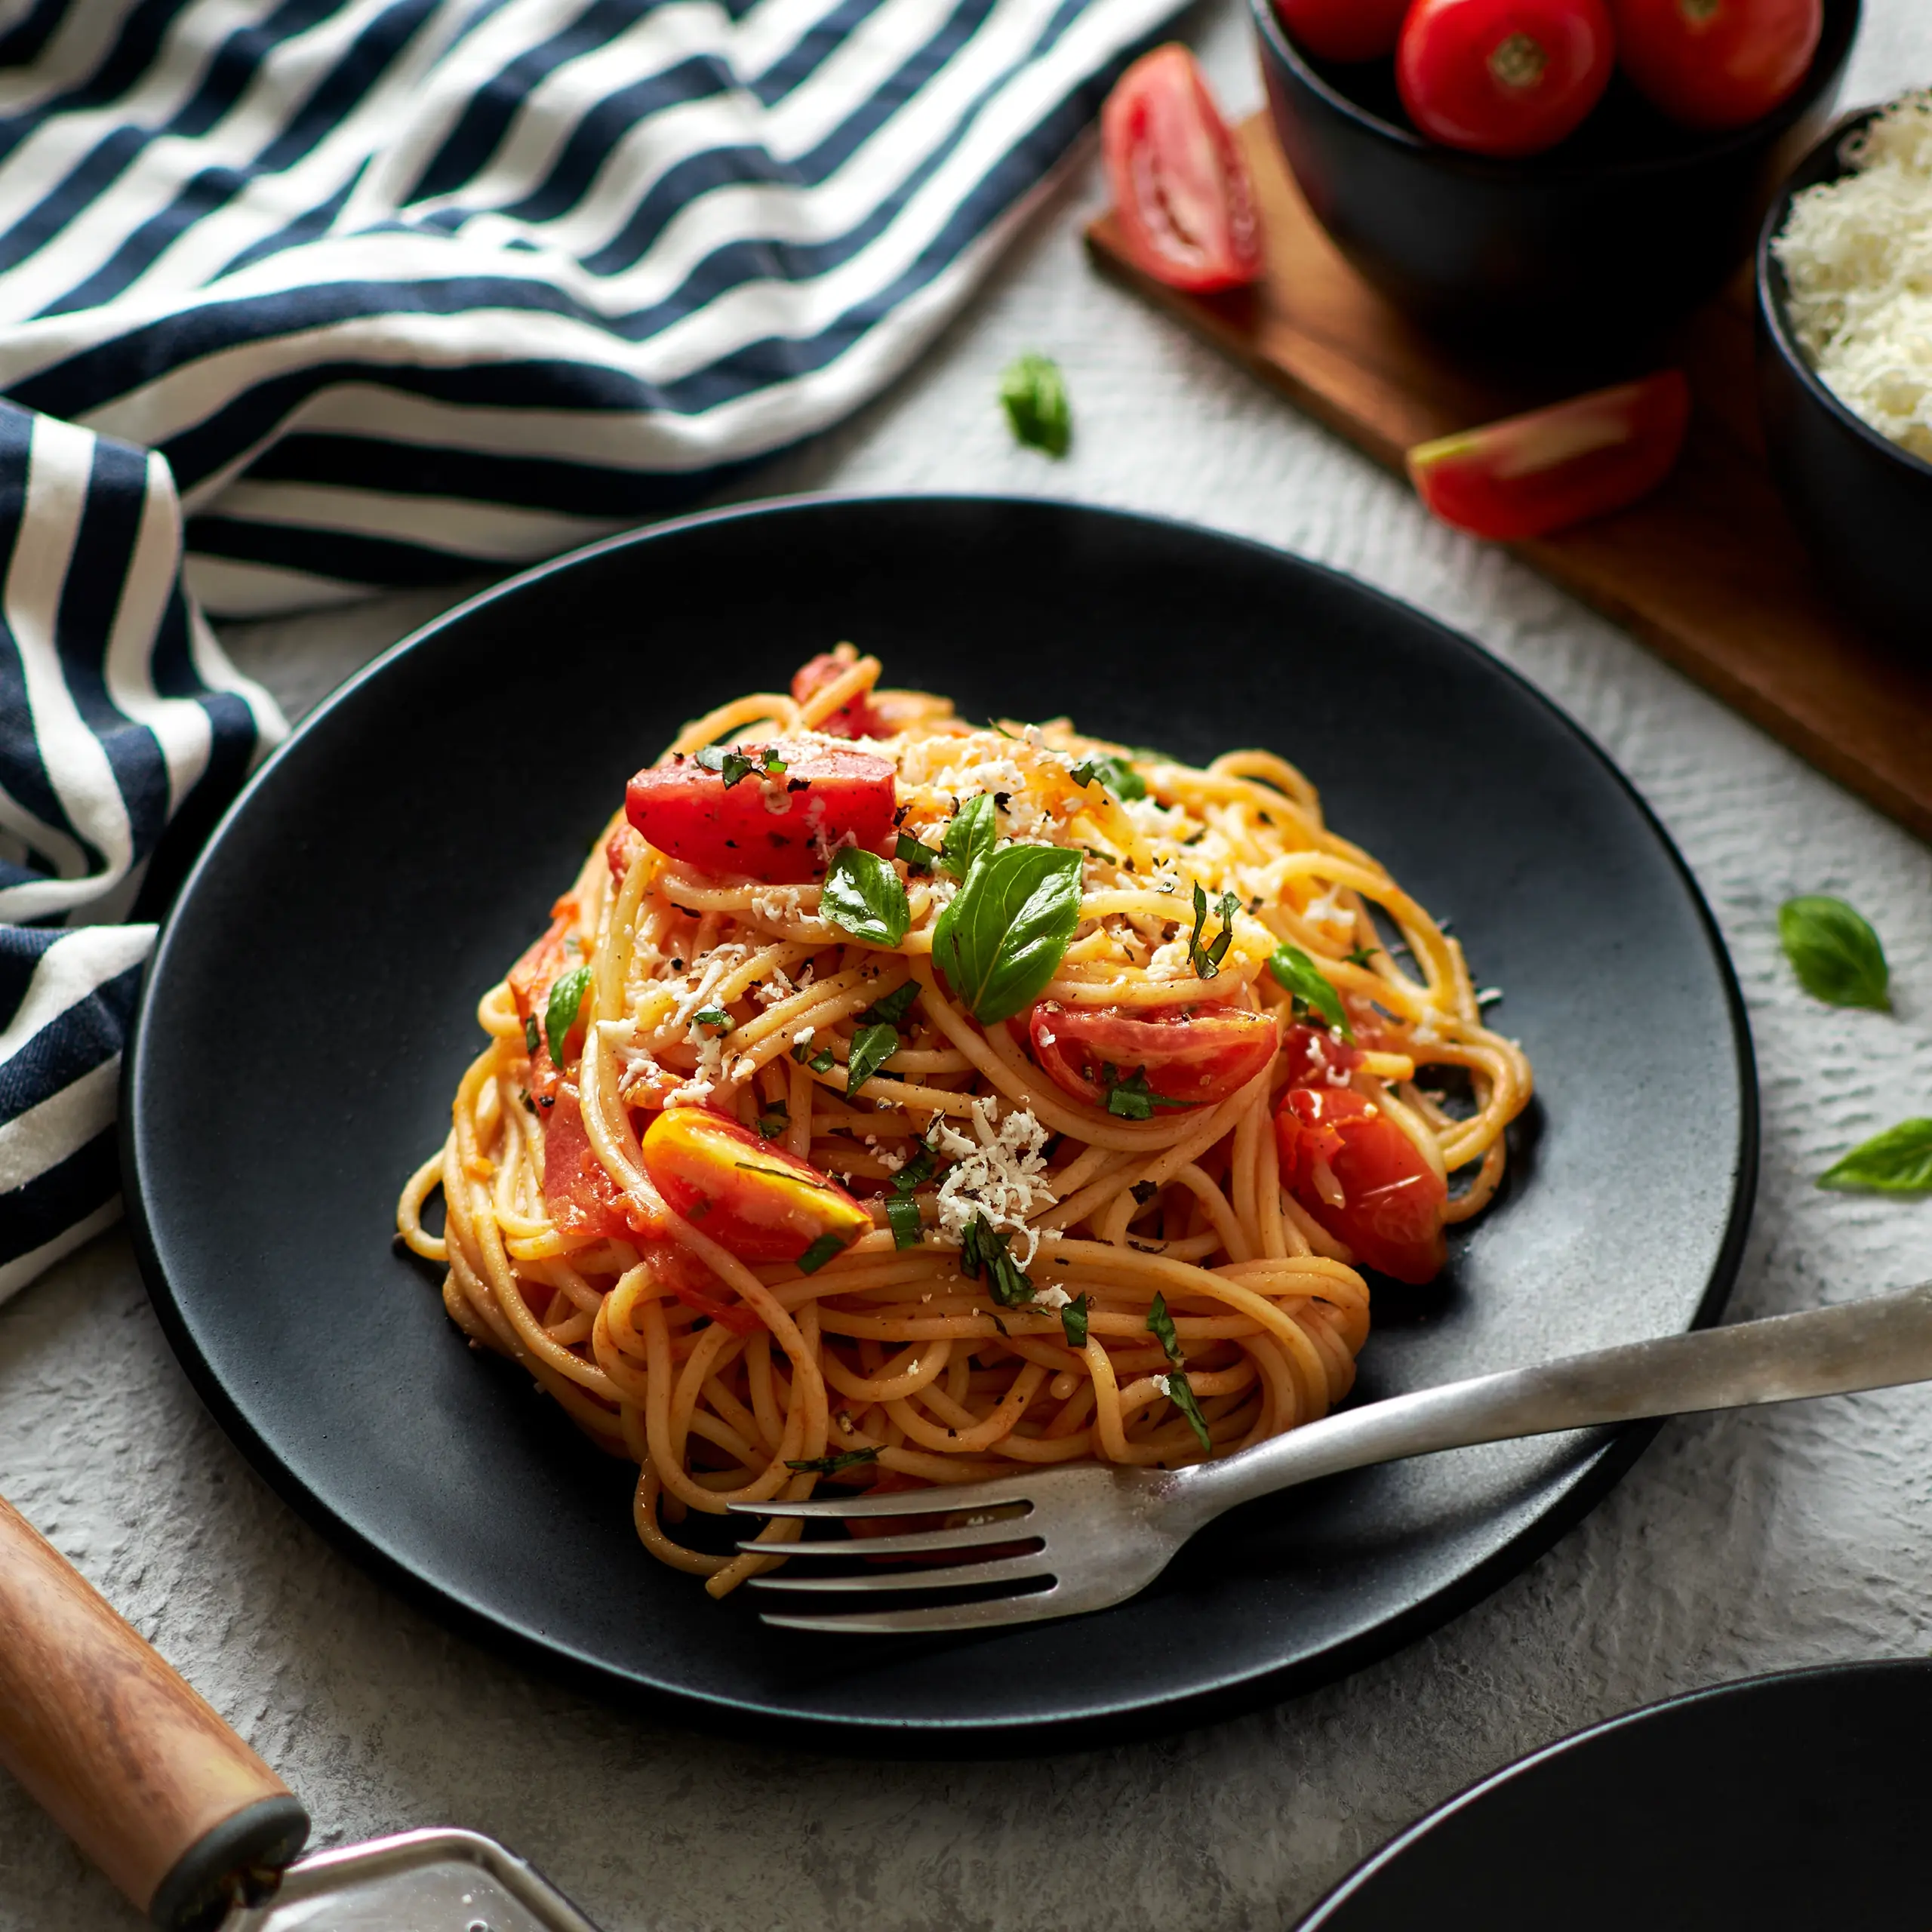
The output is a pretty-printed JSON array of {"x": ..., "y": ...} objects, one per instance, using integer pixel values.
[
  {"x": 1344, "y": 29},
  {"x": 777, "y": 828},
  {"x": 1503, "y": 77},
  {"x": 1181, "y": 194},
  {"x": 855, "y": 718},
  {"x": 1191, "y": 1055},
  {"x": 1315, "y": 1057},
  {"x": 754, "y": 1200},
  {"x": 1717, "y": 63},
  {"x": 578, "y": 1195},
  {"x": 1529, "y": 475},
  {"x": 1391, "y": 1200}
]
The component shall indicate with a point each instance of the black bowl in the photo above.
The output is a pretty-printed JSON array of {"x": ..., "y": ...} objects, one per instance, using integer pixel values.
[
  {"x": 1596, "y": 245},
  {"x": 1863, "y": 504}
]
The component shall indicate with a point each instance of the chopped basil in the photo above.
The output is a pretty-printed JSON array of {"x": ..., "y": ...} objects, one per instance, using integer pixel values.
[
  {"x": 1144, "y": 1191},
  {"x": 773, "y": 764},
  {"x": 890, "y": 1011},
  {"x": 820, "y": 1253},
  {"x": 822, "y": 1061},
  {"x": 864, "y": 896},
  {"x": 774, "y": 1120},
  {"x": 1073, "y": 1322},
  {"x": 974, "y": 830},
  {"x": 715, "y": 1017},
  {"x": 1004, "y": 933},
  {"x": 1033, "y": 393},
  {"x": 918, "y": 856},
  {"x": 1360, "y": 956},
  {"x": 983, "y": 1252},
  {"x": 830, "y": 1466},
  {"x": 1180, "y": 1392},
  {"x": 919, "y": 1168},
  {"x": 1293, "y": 969},
  {"x": 1897, "y": 1161},
  {"x": 533, "y": 1036},
  {"x": 785, "y": 1173},
  {"x": 566, "y": 1002},
  {"x": 872, "y": 1047},
  {"x": 1834, "y": 952},
  {"x": 733, "y": 766},
  {"x": 1116, "y": 774},
  {"x": 902, "y": 1213},
  {"x": 1206, "y": 960},
  {"x": 1132, "y": 1099},
  {"x": 1160, "y": 1326}
]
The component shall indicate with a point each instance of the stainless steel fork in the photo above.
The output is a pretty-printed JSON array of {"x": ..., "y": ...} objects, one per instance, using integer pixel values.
[{"x": 1056, "y": 1542}]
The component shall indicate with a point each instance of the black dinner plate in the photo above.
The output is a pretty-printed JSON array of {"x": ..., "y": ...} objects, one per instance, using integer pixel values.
[
  {"x": 311, "y": 1005},
  {"x": 1787, "y": 1804}
]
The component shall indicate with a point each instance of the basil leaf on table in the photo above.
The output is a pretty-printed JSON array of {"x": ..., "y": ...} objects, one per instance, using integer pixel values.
[
  {"x": 566, "y": 1001},
  {"x": 1033, "y": 393},
  {"x": 973, "y": 831},
  {"x": 1897, "y": 1161},
  {"x": 862, "y": 896},
  {"x": 872, "y": 1047},
  {"x": 1834, "y": 952},
  {"x": 1293, "y": 969},
  {"x": 1004, "y": 933}
]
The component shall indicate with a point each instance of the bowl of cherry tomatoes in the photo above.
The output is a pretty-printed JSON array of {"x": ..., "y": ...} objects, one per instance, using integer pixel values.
[{"x": 1549, "y": 177}]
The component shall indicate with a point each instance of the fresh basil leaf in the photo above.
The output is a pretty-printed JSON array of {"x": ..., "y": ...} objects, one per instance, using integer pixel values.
[
  {"x": 864, "y": 896},
  {"x": 533, "y": 1036},
  {"x": 734, "y": 767},
  {"x": 916, "y": 856},
  {"x": 919, "y": 1168},
  {"x": 1897, "y": 1161},
  {"x": 1206, "y": 960},
  {"x": 983, "y": 1252},
  {"x": 1360, "y": 956},
  {"x": 1033, "y": 393},
  {"x": 1004, "y": 933},
  {"x": 566, "y": 1001},
  {"x": 1073, "y": 1322},
  {"x": 890, "y": 1011},
  {"x": 1180, "y": 1392},
  {"x": 1132, "y": 1099},
  {"x": 1834, "y": 952},
  {"x": 715, "y": 1017},
  {"x": 973, "y": 830},
  {"x": 902, "y": 1214},
  {"x": 1160, "y": 1326},
  {"x": 1116, "y": 774},
  {"x": 830, "y": 1466},
  {"x": 820, "y": 1253},
  {"x": 774, "y": 1120},
  {"x": 872, "y": 1047},
  {"x": 1293, "y": 969}
]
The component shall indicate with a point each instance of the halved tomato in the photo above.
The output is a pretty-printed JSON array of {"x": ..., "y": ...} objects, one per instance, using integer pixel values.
[
  {"x": 778, "y": 826},
  {"x": 1316, "y": 1058},
  {"x": 696, "y": 1286},
  {"x": 1182, "y": 194},
  {"x": 578, "y": 1195},
  {"x": 855, "y": 718},
  {"x": 1187, "y": 1055},
  {"x": 754, "y": 1200},
  {"x": 1363, "y": 1179},
  {"x": 1527, "y": 475}
]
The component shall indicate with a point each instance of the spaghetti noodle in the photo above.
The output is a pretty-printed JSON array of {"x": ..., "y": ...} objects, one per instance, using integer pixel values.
[{"x": 893, "y": 1100}]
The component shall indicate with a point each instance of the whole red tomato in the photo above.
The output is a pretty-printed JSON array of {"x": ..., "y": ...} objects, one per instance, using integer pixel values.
[
  {"x": 1503, "y": 77},
  {"x": 1344, "y": 29},
  {"x": 1717, "y": 63}
]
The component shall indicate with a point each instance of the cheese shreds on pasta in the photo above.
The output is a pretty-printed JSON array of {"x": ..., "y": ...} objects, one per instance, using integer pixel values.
[
  {"x": 1027, "y": 1253},
  {"x": 1857, "y": 254}
]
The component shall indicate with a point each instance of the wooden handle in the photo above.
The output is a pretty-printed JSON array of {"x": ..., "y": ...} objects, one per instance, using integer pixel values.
[{"x": 142, "y": 1774}]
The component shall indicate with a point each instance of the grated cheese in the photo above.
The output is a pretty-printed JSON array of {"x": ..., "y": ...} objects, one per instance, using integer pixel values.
[
  {"x": 999, "y": 1172},
  {"x": 1857, "y": 255}
]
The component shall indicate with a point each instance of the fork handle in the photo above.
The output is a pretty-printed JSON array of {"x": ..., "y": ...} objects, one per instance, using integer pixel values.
[{"x": 1874, "y": 1344}]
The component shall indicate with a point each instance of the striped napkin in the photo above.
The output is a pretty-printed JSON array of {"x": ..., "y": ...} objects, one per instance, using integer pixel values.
[{"x": 300, "y": 301}]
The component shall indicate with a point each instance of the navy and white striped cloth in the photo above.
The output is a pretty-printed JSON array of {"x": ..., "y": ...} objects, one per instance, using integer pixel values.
[{"x": 301, "y": 299}]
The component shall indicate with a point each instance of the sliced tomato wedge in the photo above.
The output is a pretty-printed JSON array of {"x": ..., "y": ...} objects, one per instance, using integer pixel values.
[
  {"x": 1363, "y": 1179},
  {"x": 780, "y": 827},
  {"x": 855, "y": 718},
  {"x": 1187, "y": 1055},
  {"x": 753, "y": 1199},
  {"x": 1182, "y": 194},
  {"x": 1528, "y": 475},
  {"x": 578, "y": 1195},
  {"x": 696, "y": 1286}
]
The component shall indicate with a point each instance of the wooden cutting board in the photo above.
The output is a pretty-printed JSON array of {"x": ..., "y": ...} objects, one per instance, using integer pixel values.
[{"x": 1708, "y": 571}]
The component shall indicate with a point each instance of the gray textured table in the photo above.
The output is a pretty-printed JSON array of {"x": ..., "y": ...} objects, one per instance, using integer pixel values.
[{"x": 1737, "y": 1545}]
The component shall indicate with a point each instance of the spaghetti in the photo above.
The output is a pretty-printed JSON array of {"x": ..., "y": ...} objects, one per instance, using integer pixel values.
[{"x": 893, "y": 1100}]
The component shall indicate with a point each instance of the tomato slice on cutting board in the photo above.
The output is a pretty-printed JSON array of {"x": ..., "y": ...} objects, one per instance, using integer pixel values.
[
  {"x": 1182, "y": 194},
  {"x": 1528, "y": 475}
]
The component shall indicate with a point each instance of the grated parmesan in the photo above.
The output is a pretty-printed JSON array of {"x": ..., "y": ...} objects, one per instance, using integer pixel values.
[
  {"x": 1858, "y": 256},
  {"x": 1000, "y": 1172}
]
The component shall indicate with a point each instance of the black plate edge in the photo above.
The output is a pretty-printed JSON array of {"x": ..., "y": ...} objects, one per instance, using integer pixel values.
[
  {"x": 1592, "y": 1480},
  {"x": 1371, "y": 1866}
]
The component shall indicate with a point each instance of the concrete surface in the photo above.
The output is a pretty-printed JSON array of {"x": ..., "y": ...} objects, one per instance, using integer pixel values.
[{"x": 1738, "y": 1544}]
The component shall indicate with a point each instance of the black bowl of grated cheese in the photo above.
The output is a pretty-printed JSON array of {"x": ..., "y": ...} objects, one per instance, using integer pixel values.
[{"x": 1845, "y": 415}]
